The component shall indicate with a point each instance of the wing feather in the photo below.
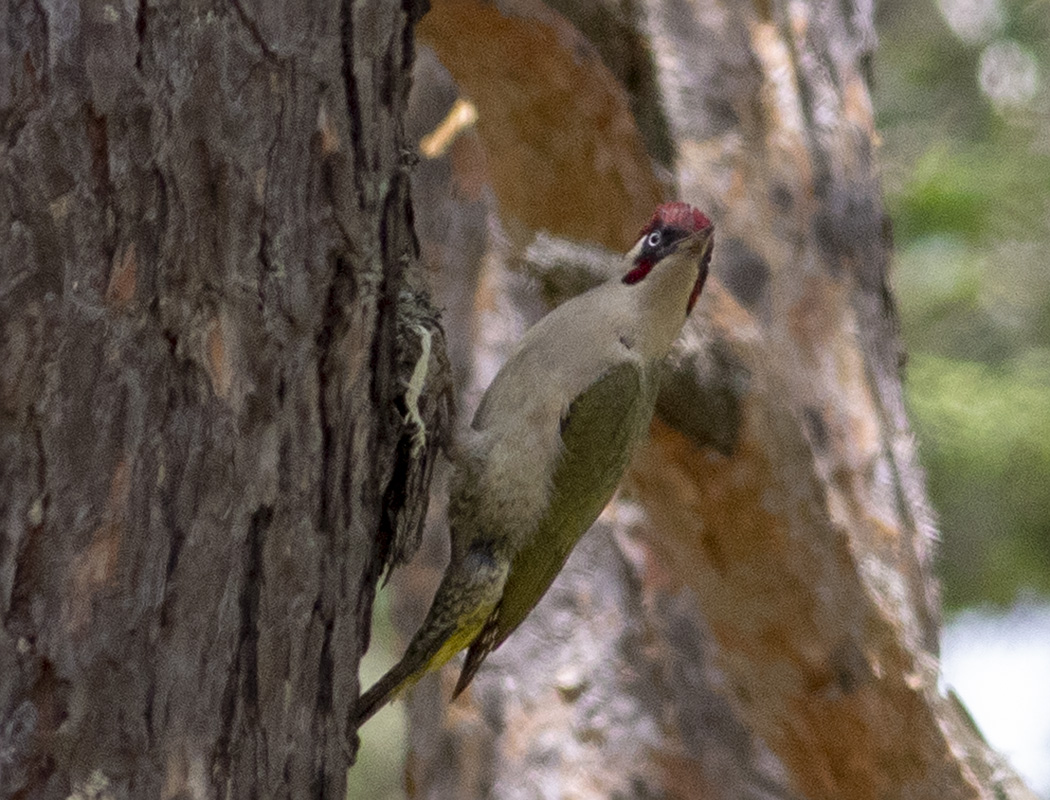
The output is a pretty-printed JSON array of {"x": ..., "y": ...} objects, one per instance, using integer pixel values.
[{"x": 598, "y": 435}]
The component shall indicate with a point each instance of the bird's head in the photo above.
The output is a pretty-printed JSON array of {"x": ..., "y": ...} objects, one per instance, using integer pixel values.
[{"x": 676, "y": 231}]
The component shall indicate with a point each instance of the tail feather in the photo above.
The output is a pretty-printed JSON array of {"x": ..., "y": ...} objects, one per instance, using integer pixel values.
[
  {"x": 383, "y": 691},
  {"x": 461, "y": 607},
  {"x": 483, "y": 644},
  {"x": 438, "y": 639}
]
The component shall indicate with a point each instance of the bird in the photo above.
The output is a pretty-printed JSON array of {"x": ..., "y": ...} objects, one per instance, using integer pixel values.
[{"x": 549, "y": 442}]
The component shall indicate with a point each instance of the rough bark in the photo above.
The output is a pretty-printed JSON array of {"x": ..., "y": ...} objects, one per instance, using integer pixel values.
[
  {"x": 756, "y": 617},
  {"x": 204, "y": 230}
]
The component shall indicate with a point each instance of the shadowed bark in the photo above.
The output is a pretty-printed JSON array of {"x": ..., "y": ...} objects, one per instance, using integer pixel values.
[{"x": 204, "y": 234}]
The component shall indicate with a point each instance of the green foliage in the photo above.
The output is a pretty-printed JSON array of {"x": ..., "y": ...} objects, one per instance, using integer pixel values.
[
  {"x": 967, "y": 176},
  {"x": 986, "y": 444},
  {"x": 947, "y": 194}
]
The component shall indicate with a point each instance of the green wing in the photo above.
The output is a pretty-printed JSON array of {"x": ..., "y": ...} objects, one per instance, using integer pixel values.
[{"x": 598, "y": 435}]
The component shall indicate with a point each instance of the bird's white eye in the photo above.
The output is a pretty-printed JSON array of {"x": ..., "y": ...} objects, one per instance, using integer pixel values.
[{"x": 654, "y": 239}]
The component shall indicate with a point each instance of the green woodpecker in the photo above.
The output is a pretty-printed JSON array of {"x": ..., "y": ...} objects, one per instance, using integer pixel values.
[{"x": 549, "y": 444}]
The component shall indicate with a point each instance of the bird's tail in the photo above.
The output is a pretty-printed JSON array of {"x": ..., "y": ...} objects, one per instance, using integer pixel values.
[
  {"x": 403, "y": 675},
  {"x": 461, "y": 607}
]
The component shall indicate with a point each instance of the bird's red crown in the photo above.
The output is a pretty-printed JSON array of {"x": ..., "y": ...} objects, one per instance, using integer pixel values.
[{"x": 677, "y": 215}]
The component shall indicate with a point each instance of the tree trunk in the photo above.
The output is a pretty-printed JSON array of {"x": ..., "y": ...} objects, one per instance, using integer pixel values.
[
  {"x": 204, "y": 234},
  {"x": 756, "y": 616}
]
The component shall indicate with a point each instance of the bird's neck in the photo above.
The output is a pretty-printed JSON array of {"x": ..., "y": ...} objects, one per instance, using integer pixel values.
[{"x": 662, "y": 299}]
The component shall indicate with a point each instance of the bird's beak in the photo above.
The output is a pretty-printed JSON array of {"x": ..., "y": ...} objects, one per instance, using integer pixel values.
[{"x": 698, "y": 243}]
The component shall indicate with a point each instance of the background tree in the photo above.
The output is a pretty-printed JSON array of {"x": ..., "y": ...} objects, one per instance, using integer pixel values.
[{"x": 780, "y": 493}]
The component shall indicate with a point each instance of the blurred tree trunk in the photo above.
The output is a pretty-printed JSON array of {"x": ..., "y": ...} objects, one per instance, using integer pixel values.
[
  {"x": 204, "y": 229},
  {"x": 756, "y": 616}
]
